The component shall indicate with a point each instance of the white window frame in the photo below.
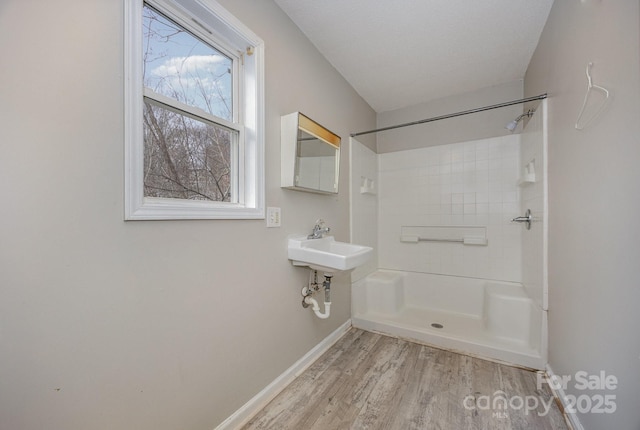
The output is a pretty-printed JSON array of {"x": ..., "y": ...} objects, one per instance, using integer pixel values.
[{"x": 209, "y": 21}]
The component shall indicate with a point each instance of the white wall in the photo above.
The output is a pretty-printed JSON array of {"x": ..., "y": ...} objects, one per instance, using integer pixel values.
[
  {"x": 157, "y": 325},
  {"x": 594, "y": 235},
  {"x": 364, "y": 203},
  {"x": 470, "y": 183},
  {"x": 533, "y": 196}
]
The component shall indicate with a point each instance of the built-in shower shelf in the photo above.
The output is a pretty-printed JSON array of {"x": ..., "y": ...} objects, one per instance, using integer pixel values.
[
  {"x": 529, "y": 174},
  {"x": 367, "y": 186},
  {"x": 527, "y": 180}
]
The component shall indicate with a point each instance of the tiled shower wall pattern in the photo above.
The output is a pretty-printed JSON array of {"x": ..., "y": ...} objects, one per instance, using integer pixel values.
[{"x": 463, "y": 184}]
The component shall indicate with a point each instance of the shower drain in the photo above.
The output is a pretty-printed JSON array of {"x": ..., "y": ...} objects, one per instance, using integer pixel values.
[{"x": 437, "y": 325}]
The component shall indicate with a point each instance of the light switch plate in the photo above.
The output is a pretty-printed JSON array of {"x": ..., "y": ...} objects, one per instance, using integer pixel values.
[{"x": 274, "y": 217}]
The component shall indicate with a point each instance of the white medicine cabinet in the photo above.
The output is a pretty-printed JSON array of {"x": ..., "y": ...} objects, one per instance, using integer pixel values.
[{"x": 310, "y": 155}]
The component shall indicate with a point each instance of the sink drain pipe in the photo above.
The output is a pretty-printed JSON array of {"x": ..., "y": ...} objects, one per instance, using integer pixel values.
[{"x": 308, "y": 292}]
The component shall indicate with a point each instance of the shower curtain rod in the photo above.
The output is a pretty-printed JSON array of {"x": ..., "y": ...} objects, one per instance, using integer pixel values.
[{"x": 452, "y": 115}]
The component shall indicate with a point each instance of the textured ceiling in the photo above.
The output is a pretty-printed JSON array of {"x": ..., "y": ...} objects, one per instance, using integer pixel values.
[{"x": 399, "y": 53}]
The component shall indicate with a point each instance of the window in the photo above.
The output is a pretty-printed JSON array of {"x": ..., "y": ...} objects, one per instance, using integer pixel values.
[{"x": 194, "y": 113}]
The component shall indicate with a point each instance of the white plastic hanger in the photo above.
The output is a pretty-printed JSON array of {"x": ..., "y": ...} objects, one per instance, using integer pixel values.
[{"x": 590, "y": 87}]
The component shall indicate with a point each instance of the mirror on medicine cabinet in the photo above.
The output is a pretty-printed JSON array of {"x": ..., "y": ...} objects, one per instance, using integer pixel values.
[{"x": 310, "y": 155}]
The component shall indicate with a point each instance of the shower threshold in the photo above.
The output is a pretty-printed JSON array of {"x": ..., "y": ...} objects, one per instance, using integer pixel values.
[{"x": 467, "y": 334}]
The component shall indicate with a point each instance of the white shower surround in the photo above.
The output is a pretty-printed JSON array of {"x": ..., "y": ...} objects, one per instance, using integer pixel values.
[
  {"x": 463, "y": 184},
  {"x": 475, "y": 293}
]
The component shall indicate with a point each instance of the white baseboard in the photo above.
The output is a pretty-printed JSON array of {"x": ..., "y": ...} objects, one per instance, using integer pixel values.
[
  {"x": 260, "y": 400},
  {"x": 559, "y": 393}
]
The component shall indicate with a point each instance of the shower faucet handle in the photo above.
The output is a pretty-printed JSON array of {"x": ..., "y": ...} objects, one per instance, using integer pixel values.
[{"x": 525, "y": 219}]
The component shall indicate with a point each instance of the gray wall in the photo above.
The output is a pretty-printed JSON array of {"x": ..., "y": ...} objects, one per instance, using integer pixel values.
[
  {"x": 594, "y": 200},
  {"x": 148, "y": 324},
  {"x": 452, "y": 130}
]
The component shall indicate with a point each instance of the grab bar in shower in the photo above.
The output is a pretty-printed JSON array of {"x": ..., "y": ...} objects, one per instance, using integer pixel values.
[
  {"x": 466, "y": 235},
  {"x": 467, "y": 240}
]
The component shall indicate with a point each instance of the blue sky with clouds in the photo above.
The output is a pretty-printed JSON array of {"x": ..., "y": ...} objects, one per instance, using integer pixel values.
[{"x": 182, "y": 67}]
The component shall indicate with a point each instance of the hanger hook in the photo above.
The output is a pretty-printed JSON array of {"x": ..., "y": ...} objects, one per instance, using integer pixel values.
[
  {"x": 581, "y": 123},
  {"x": 589, "y": 81}
]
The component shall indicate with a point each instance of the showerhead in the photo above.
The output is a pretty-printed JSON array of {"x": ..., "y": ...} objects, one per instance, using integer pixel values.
[
  {"x": 511, "y": 126},
  {"x": 514, "y": 124}
]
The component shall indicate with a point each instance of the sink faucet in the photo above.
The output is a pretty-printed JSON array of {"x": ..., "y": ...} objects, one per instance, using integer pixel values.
[{"x": 319, "y": 230}]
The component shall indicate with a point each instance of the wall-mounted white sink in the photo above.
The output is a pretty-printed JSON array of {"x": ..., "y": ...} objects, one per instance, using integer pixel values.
[{"x": 326, "y": 254}]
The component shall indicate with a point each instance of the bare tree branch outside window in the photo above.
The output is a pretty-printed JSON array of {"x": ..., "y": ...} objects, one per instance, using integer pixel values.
[{"x": 186, "y": 157}]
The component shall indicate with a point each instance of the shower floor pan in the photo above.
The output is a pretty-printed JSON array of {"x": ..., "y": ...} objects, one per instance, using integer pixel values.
[{"x": 497, "y": 321}]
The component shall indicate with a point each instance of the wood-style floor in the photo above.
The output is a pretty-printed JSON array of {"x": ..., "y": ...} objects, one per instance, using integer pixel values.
[{"x": 371, "y": 381}]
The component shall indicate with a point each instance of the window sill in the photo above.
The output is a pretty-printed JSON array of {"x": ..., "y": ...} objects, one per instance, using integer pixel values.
[{"x": 172, "y": 209}]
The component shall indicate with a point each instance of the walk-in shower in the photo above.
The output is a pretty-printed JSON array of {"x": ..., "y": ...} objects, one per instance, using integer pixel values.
[{"x": 453, "y": 270}]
